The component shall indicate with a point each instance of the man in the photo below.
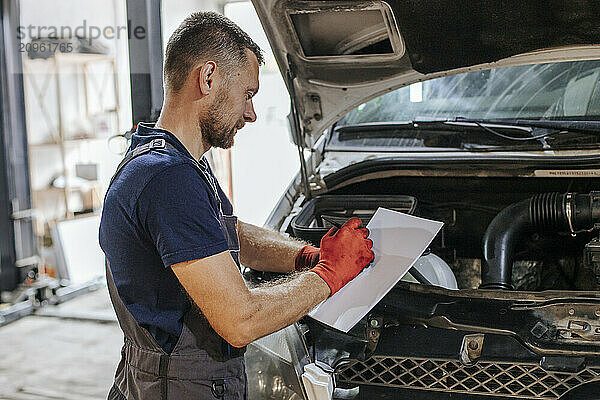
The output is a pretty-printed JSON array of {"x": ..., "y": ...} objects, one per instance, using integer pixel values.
[{"x": 171, "y": 240}]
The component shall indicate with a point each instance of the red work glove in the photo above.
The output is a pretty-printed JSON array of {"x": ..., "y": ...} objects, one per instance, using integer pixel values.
[
  {"x": 344, "y": 254},
  {"x": 307, "y": 257}
]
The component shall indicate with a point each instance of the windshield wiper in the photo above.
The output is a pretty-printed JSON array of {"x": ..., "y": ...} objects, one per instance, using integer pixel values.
[
  {"x": 433, "y": 131},
  {"x": 430, "y": 133},
  {"x": 557, "y": 125},
  {"x": 554, "y": 125},
  {"x": 547, "y": 127}
]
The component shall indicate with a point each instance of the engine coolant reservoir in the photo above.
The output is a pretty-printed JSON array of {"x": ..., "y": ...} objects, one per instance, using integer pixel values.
[{"x": 435, "y": 270}]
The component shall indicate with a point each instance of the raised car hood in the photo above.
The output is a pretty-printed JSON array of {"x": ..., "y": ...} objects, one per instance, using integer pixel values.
[{"x": 341, "y": 54}]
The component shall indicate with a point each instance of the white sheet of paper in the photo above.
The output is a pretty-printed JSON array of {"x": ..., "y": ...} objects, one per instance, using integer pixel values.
[{"x": 398, "y": 241}]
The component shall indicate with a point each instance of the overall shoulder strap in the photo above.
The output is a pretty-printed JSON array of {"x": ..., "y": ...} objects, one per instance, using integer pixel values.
[
  {"x": 158, "y": 144},
  {"x": 155, "y": 144}
]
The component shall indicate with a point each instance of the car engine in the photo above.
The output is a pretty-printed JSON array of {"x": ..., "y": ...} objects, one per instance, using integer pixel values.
[
  {"x": 498, "y": 233},
  {"x": 524, "y": 253}
]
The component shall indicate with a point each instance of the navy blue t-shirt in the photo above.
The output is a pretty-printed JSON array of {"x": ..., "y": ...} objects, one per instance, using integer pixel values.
[{"x": 158, "y": 212}]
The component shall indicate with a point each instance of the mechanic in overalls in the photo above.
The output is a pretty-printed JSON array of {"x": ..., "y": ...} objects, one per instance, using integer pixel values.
[{"x": 171, "y": 239}]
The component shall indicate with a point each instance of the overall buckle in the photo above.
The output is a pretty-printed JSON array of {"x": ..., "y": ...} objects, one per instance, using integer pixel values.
[
  {"x": 218, "y": 388},
  {"x": 158, "y": 144}
]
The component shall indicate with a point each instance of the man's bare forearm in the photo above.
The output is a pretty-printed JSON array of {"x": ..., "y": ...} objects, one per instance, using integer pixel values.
[
  {"x": 275, "y": 306},
  {"x": 266, "y": 250}
]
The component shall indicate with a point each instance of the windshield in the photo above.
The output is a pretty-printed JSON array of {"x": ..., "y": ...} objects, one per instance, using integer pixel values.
[{"x": 565, "y": 90}]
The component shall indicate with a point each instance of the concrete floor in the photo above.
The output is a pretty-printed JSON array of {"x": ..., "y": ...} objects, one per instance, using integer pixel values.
[{"x": 60, "y": 355}]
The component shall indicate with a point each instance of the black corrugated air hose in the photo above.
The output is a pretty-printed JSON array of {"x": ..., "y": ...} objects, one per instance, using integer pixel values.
[{"x": 545, "y": 212}]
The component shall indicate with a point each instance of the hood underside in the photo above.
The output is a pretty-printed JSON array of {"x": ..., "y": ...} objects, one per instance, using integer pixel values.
[{"x": 339, "y": 54}]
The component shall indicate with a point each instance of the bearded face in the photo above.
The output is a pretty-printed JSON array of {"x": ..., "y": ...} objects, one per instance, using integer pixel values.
[{"x": 219, "y": 126}]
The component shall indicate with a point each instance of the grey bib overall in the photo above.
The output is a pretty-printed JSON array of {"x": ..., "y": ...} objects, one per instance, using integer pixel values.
[{"x": 202, "y": 365}]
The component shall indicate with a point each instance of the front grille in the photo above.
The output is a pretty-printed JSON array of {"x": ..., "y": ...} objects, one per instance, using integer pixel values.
[{"x": 518, "y": 380}]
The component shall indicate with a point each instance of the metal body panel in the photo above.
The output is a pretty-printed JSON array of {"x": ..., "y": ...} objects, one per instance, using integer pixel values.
[{"x": 344, "y": 82}]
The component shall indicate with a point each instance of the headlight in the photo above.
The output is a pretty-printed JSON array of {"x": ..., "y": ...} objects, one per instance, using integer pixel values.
[{"x": 274, "y": 365}]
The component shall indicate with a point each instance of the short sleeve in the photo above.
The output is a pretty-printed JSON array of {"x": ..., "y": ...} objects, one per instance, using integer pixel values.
[{"x": 177, "y": 211}]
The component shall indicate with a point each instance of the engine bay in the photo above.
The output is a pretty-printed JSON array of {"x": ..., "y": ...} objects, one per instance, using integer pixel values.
[
  {"x": 489, "y": 222},
  {"x": 533, "y": 241}
]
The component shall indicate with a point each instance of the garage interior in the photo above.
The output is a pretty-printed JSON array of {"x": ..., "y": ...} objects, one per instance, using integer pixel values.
[
  {"x": 482, "y": 119},
  {"x": 65, "y": 119}
]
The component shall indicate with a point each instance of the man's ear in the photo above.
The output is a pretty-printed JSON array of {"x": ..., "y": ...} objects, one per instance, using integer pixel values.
[{"x": 206, "y": 77}]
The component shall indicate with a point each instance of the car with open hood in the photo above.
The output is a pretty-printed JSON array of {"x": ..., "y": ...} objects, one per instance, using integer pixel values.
[{"x": 483, "y": 115}]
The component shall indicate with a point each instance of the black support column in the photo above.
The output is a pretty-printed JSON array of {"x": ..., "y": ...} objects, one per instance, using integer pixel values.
[
  {"x": 17, "y": 240},
  {"x": 145, "y": 59}
]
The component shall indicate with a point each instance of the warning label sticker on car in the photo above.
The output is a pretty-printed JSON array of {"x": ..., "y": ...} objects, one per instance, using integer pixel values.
[{"x": 567, "y": 173}]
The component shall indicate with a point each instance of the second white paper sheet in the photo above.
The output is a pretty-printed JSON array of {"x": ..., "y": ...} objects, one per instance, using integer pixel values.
[{"x": 398, "y": 241}]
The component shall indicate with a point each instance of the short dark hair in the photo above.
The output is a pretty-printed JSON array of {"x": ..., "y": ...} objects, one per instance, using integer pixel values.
[{"x": 205, "y": 36}]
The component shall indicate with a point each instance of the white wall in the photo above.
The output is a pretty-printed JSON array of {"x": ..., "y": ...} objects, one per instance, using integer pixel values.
[
  {"x": 175, "y": 11},
  {"x": 264, "y": 159}
]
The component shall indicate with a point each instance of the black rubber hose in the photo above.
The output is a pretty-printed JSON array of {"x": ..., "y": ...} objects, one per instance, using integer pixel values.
[
  {"x": 499, "y": 243},
  {"x": 546, "y": 212}
]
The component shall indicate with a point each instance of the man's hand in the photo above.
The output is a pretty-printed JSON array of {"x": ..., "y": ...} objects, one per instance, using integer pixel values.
[
  {"x": 344, "y": 254},
  {"x": 241, "y": 315},
  {"x": 307, "y": 257}
]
